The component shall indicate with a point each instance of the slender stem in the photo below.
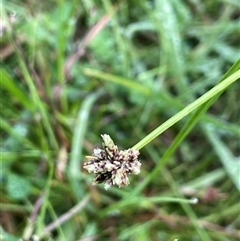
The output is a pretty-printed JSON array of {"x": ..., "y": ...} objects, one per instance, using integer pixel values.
[
  {"x": 15, "y": 208},
  {"x": 146, "y": 201},
  {"x": 65, "y": 217},
  {"x": 78, "y": 138},
  {"x": 187, "y": 110}
]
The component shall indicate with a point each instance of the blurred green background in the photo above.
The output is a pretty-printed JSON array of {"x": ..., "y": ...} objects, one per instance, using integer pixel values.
[{"x": 73, "y": 70}]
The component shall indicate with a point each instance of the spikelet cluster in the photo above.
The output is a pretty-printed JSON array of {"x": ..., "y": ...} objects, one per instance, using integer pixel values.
[{"x": 111, "y": 165}]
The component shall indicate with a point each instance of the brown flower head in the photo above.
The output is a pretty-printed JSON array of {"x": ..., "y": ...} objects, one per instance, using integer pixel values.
[{"x": 110, "y": 165}]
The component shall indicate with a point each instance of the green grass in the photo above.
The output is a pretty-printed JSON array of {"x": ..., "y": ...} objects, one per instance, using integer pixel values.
[{"x": 159, "y": 76}]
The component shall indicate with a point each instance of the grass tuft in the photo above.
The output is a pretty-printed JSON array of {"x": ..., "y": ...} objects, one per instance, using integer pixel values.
[{"x": 161, "y": 77}]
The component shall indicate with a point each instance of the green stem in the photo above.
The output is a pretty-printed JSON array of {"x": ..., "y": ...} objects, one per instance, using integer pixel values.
[
  {"x": 145, "y": 202},
  {"x": 77, "y": 143},
  {"x": 187, "y": 110},
  {"x": 42, "y": 215},
  {"x": 15, "y": 208}
]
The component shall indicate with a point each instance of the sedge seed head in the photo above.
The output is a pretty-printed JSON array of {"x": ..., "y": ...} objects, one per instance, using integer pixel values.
[{"x": 112, "y": 166}]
